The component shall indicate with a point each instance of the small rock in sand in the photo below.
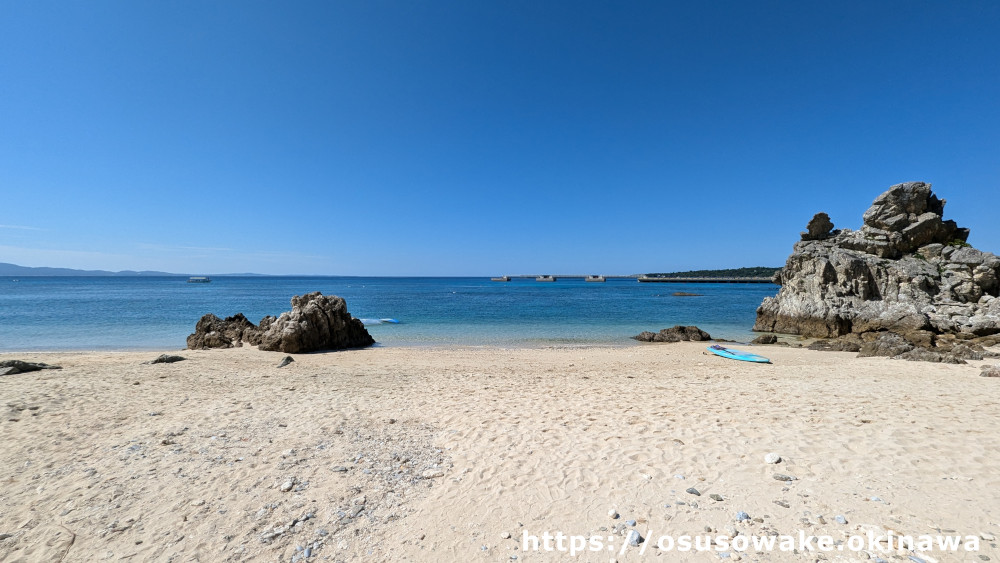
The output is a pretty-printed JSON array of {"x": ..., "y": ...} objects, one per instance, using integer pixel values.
[
  {"x": 693, "y": 491},
  {"x": 287, "y": 485},
  {"x": 285, "y": 361},
  {"x": 741, "y": 516},
  {"x": 990, "y": 371},
  {"x": 613, "y": 514},
  {"x": 12, "y": 367},
  {"x": 166, "y": 359},
  {"x": 505, "y": 536},
  {"x": 840, "y": 519},
  {"x": 432, "y": 473},
  {"x": 715, "y": 497},
  {"x": 781, "y": 477},
  {"x": 772, "y": 458}
]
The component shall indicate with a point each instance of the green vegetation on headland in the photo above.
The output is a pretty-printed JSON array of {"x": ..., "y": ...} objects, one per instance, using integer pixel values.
[{"x": 754, "y": 272}]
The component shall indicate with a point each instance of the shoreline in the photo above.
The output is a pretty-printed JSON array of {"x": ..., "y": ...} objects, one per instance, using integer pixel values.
[{"x": 392, "y": 453}]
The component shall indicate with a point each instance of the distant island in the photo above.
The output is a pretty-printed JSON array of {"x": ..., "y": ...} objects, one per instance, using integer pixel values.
[
  {"x": 7, "y": 269},
  {"x": 754, "y": 272}
]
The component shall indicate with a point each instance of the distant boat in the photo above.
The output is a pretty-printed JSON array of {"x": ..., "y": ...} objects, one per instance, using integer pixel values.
[{"x": 199, "y": 279}]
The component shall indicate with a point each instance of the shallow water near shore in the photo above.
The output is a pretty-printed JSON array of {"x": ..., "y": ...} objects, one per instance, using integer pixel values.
[{"x": 90, "y": 313}]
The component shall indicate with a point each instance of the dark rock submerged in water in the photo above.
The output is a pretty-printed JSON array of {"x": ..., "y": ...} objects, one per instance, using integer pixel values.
[
  {"x": 316, "y": 322},
  {"x": 907, "y": 271},
  {"x": 674, "y": 334}
]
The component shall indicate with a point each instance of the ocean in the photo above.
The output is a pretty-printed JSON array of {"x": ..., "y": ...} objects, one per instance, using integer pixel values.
[{"x": 149, "y": 313}]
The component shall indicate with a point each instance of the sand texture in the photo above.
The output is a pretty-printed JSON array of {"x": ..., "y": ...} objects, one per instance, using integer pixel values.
[{"x": 426, "y": 454}]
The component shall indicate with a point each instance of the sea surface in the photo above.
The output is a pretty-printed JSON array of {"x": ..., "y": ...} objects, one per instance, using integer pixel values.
[{"x": 147, "y": 313}]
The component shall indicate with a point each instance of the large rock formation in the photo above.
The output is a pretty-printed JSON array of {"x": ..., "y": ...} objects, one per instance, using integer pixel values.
[
  {"x": 907, "y": 271},
  {"x": 316, "y": 322}
]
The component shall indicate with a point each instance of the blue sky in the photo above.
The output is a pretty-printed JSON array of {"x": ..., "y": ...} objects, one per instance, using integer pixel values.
[{"x": 478, "y": 138}]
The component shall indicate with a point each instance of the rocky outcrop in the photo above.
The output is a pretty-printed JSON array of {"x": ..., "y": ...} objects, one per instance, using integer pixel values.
[
  {"x": 316, "y": 322},
  {"x": 675, "y": 334},
  {"x": 906, "y": 271},
  {"x": 213, "y": 332}
]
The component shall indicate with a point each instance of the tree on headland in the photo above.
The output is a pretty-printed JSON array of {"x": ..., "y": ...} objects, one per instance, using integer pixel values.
[{"x": 753, "y": 272}]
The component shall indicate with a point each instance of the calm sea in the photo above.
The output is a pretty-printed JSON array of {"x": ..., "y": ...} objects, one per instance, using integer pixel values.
[{"x": 87, "y": 313}]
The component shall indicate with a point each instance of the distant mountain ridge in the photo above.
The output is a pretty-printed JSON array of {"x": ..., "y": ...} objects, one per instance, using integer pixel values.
[{"x": 7, "y": 269}]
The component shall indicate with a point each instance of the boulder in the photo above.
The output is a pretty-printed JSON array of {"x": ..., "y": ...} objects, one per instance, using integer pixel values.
[
  {"x": 316, "y": 322},
  {"x": 819, "y": 227},
  {"x": 906, "y": 271},
  {"x": 765, "y": 339},
  {"x": 674, "y": 334},
  {"x": 213, "y": 332}
]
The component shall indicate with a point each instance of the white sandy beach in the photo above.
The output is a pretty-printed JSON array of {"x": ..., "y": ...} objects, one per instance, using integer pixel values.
[{"x": 430, "y": 454}]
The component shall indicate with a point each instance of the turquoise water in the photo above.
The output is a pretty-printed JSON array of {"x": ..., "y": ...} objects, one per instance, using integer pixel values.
[{"x": 87, "y": 313}]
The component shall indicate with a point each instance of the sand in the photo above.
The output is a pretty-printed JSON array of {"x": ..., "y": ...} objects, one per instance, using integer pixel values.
[{"x": 434, "y": 454}]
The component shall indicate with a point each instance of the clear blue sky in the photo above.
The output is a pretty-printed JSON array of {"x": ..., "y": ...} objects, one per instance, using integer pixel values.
[{"x": 476, "y": 138}]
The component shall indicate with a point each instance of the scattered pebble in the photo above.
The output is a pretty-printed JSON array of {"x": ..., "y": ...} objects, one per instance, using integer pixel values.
[
  {"x": 613, "y": 514},
  {"x": 5, "y": 536},
  {"x": 432, "y": 473},
  {"x": 783, "y": 477},
  {"x": 741, "y": 516},
  {"x": 840, "y": 519},
  {"x": 285, "y": 361},
  {"x": 339, "y": 469},
  {"x": 715, "y": 497},
  {"x": 631, "y": 523},
  {"x": 693, "y": 491},
  {"x": 287, "y": 485},
  {"x": 633, "y": 538},
  {"x": 987, "y": 537},
  {"x": 772, "y": 458}
]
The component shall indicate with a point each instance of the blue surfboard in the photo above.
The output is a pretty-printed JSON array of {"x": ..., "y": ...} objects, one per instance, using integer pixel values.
[{"x": 737, "y": 354}]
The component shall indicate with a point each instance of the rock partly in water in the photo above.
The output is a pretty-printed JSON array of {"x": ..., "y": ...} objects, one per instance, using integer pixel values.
[
  {"x": 12, "y": 367},
  {"x": 213, "y": 332},
  {"x": 675, "y": 334},
  {"x": 906, "y": 271},
  {"x": 316, "y": 322}
]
